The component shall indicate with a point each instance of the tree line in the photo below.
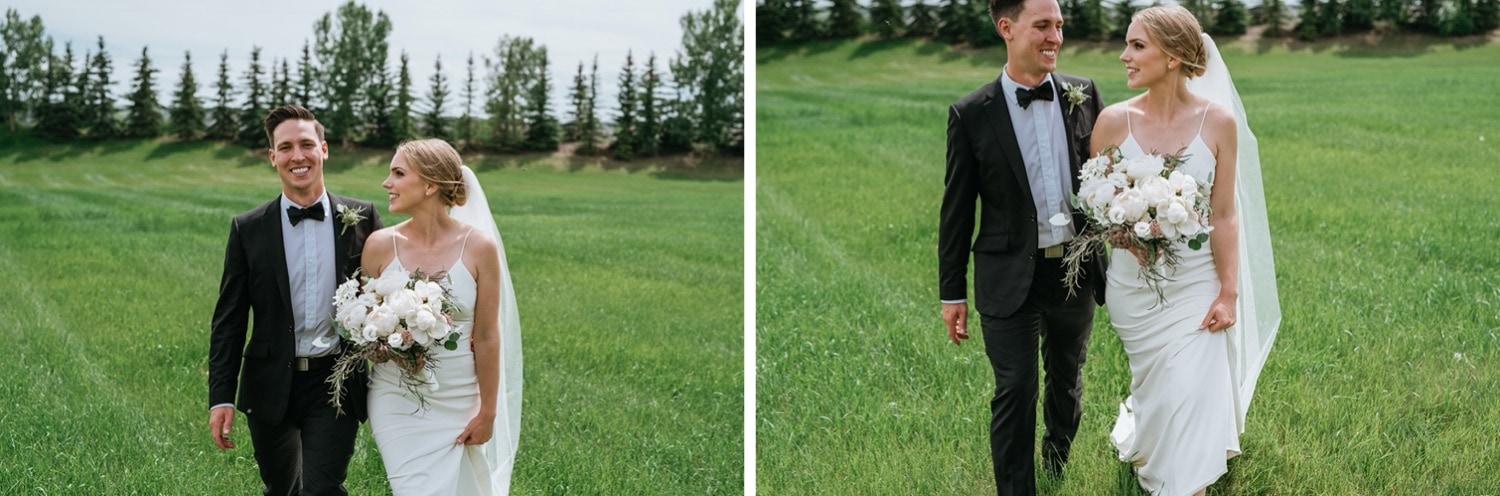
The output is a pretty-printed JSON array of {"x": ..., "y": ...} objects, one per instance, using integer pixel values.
[
  {"x": 344, "y": 76},
  {"x": 968, "y": 21}
]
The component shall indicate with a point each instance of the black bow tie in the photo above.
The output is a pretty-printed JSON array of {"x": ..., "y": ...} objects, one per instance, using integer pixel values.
[
  {"x": 1043, "y": 92},
  {"x": 295, "y": 214}
]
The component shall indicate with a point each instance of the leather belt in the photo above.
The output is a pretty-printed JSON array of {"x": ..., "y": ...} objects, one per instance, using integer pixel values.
[{"x": 304, "y": 364}]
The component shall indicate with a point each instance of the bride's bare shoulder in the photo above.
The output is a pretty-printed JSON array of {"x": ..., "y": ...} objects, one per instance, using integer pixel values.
[{"x": 1111, "y": 126}]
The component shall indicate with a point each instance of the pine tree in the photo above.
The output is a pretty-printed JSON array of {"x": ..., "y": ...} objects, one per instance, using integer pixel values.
[
  {"x": 252, "y": 131},
  {"x": 588, "y": 123},
  {"x": 306, "y": 76},
  {"x": 1427, "y": 17},
  {"x": 1202, "y": 10},
  {"x": 541, "y": 127},
  {"x": 770, "y": 21},
  {"x": 223, "y": 126},
  {"x": 401, "y": 121},
  {"x": 59, "y": 112},
  {"x": 1309, "y": 20},
  {"x": 954, "y": 21},
  {"x": 1273, "y": 15},
  {"x": 1486, "y": 15},
  {"x": 1460, "y": 19},
  {"x": 352, "y": 48},
  {"x": 647, "y": 139},
  {"x": 437, "y": 98},
  {"x": 281, "y": 86},
  {"x": 844, "y": 20},
  {"x": 144, "y": 120},
  {"x": 187, "y": 108},
  {"x": 1232, "y": 19},
  {"x": 710, "y": 67},
  {"x": 382, "y": 130},
  {"x": 887, "y": 18},
  {"x": 579, "y": 96},
  {"x": 1122, "y": 13},
  {"x": 1087, "y": 20},
  {"x": 924, "y": 21},
  {"x": 979, "y": 30},
  {"x": 1330, "y": 18},
  {"x": 804, "y": 25},
  {"x": 625, "y": 122},
  {"x": 1359, "y": 16},
  {"x": 99, "y": 104},
  {"x": 466, "y": 123}
]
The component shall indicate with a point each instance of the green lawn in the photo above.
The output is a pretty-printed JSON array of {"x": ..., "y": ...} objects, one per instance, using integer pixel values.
[
  {"x": 629, "y": 280},
  {"x": 1379, "y": 162}
]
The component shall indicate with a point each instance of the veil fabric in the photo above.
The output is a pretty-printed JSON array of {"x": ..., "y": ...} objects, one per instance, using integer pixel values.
[
  {"x": 501, "y": 448},
  {"x": 1258, "y": 309}
]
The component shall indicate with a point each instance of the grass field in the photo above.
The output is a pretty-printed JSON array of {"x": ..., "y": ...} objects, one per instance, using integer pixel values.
[
  {"x": 1379, "y": 162},
  {"x": 629, "y": 282}
]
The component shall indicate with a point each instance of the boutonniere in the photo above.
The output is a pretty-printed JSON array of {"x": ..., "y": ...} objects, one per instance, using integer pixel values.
[
  {"x": 349, "y": 216},
  {"x": 1075, "y": 95}
]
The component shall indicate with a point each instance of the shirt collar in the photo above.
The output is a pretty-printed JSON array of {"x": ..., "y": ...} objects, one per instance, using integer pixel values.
[{"x": 1008, "y": 87}]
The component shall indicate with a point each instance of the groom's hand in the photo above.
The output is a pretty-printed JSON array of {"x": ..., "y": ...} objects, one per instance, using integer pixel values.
[
  {"x": 956, "y": 319},
  {"x": 219, "y": 421}
]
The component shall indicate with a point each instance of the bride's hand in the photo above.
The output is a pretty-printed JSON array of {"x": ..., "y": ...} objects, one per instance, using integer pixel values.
[
  {"x": 1220, "y": 314},
  {"x": 479, "y": 430}
]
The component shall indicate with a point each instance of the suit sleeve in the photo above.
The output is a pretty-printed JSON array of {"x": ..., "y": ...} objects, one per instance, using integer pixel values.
[
  {"x": 227, "y": 335},
  {"x": 956, "y": 224}
]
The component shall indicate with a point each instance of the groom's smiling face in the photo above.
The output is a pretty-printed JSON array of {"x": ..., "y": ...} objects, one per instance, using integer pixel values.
[
  {"x": 298, "y": 156},
  {"x": 1032, "y": 39}
]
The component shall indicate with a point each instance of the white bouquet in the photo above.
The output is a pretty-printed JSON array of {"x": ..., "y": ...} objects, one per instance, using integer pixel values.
[
  {"x": 399, "y": 317},
  {"x": 1143, "y": 204}
]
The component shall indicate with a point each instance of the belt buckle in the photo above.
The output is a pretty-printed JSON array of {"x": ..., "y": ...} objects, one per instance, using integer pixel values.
[
  {"x": 1054, "y": 251},
  {"x": 300, "y": 364}
]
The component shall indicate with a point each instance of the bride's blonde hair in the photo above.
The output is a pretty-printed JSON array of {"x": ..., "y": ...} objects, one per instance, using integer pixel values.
[
  {"x": 1177, "y": 32},
  {"x": 436, "y": 162}
]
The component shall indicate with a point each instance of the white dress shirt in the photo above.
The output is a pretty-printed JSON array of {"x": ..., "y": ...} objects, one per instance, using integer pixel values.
[{"x": 310, "y": 278}]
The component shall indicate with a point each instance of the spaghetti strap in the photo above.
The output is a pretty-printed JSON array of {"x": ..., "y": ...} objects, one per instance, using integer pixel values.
[
  {"x": 393, "y": 247},
  {"x": 1205, "y": 119},
  {"x": 1128, "y": 131},
  {"x": 464, "y": 246}
]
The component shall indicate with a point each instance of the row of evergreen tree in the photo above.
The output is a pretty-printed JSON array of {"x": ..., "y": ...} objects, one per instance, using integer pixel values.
[
  {"x": 968, "y": 21},
  {"x": 343, "y": 76}
]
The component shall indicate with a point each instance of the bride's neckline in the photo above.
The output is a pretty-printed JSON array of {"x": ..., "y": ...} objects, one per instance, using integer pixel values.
[{"x": 457, "y": 263}]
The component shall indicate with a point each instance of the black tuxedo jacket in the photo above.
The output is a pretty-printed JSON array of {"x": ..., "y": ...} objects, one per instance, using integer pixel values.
[
  {"x": 985, "y": 164},
  {"x": 255, "y": 282}
]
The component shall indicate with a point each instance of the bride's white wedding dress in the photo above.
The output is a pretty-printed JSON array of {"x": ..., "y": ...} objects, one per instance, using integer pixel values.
[
  {"x": 1179, "y": 426},
  {"x": 418, "y": 444}
]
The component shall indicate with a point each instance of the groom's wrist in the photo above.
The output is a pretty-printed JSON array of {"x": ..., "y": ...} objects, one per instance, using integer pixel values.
[{"x": 221, "y": 405}]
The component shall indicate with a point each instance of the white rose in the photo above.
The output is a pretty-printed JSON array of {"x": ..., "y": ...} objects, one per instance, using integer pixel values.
[
  {"x": 370, "y": 334},
  {"x": 391, "y": 281},
  {"x": 404, "y": 303},
  {"x": 1117, "y": 215},
  {"x": 424, "y": 319},
  {"x": 1143, "y": 230},
  {"x": 396, "y": 341},
  {"x": 1134, "y": 203}
]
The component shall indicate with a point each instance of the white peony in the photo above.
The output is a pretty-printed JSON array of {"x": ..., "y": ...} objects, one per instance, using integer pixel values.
[
  {"x": 1182, "y": 183},
  {"x": 404, "y": 303},
  {"x": 1156, "y": 191},
  {"x": 391, "y": 281},
  {"x": 1097, "y": 195},
  {"x": 383, "y": 319},
  {"x": 424, "y": 319},
  {"x": 1144, "y": 166},
  {"x": 1134, "y": 203},
  {"x": 352, "y": 315}
]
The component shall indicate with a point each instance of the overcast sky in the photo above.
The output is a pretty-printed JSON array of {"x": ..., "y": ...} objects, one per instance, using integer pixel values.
[{"x": 572, "y": 31}]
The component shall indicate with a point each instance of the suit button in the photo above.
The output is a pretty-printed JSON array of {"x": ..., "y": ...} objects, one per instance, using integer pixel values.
[
  {"x": 249, "y": 411},
  {"x": 1033, "y": 218},
  {"x": 1031, "y": 256}
]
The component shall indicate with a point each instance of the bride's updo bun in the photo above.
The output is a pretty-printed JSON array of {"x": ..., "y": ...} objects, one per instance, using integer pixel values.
[
  {"x": 1178, "y": 33},
  {"x": 438, "y": 163}
]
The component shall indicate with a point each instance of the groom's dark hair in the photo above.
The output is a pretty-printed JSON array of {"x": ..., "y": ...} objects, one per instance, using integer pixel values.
[
  {"x": 288, "y": 112},
  {"x": 1005, "y": 8}
]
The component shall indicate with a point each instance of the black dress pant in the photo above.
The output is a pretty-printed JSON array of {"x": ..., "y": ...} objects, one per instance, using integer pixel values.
[
  {"x": 1062, "y": 325},
  {"x": 308, "y": 453}
]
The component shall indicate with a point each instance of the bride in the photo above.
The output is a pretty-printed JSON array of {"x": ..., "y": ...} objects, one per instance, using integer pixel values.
[
  {"x": 463, "y": 441},
  {"x": 1195, "y": 357}
]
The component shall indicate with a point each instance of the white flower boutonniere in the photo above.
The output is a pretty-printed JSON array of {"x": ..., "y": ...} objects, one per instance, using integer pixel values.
[
  {"x": 349, "y": 217},
  {"x": 1075, "y": 95}
]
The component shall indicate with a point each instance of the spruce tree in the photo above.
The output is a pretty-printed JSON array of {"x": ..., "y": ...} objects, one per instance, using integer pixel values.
[
  {"x": 99, "y": 104},
  {"x": 844, "y": 20},
  {"x": 625, "y": 122},
  {"x": 1460, "y": 19},
  {"x": 1427, "y": 17},
  {"x": 187, "y": 108},
  {"x": 589, "y": 131},
  {"x": 144, "y": 119},
  {"x": 647, "y": 144},
  {"x": 402, "y": 123},
  {"x": 252, "y": 131},
  {"x": 1122, "y": 13},
  {"x": 1231, "y": 19},
  {"x": 924, "y": 21},
  {"x": 954, "y": 21},
  {"x": 1359, "y": 16},
  {"x": 770, "y": 21},
  {"x": 382, "y": 129},
  {"x": 466, "y": 121},
  {"x": 281, "y": 86},
  {"x": 1273, "y": 15},
  {"x": 1330, "y": 18},
  {"x": 306, "y": 78},
  {"x": 578, "y": 95},
  {"x": 979, "y": 29},
  {"x": 59, "y": 112},
  {"x": 437, "y": 98},
  {"x": 541, "y": 127},
  {"x": 1202, "y": 10},
  {"x": 1486, "y": 15},
  {"x": 223, "y": 126},
  {"x": 887, "y": 18}
]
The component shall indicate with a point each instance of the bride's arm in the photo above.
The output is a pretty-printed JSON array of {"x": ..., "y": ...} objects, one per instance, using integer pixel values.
[
  {"x": 377, "y": 253},
  {"x": 486, "y": 336},
  {"x": 1225, "y": 238}
]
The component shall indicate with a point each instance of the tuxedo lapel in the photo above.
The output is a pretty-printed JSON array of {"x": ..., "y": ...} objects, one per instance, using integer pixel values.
[
  {"x": 270, "y": 231},
  {"x": 1070, "y": 123},
  {"x": 997, "y": 109},
  {"x": 341, "y": 238}
]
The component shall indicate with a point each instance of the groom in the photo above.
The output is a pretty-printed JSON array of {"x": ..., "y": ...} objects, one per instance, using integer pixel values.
[
  {"x": 282, "y": 262},
  {"x": 1015, "y": 146}
]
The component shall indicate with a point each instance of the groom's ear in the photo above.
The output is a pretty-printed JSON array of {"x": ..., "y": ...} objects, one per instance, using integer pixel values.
[{"x": 1003, "y": 27}]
